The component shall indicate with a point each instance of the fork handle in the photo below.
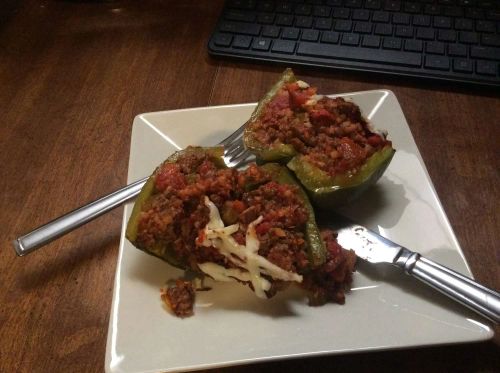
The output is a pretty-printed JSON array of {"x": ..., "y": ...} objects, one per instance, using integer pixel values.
[
  {"x": 464, "y": 290},
  {"x": 76, "y": 218}
]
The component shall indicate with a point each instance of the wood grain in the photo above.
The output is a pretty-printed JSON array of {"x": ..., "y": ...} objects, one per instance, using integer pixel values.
[{"x": 73, "y": 75}]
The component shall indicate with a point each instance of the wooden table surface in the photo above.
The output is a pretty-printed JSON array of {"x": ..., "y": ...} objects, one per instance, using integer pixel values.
[{"x": 73, "y": 75}]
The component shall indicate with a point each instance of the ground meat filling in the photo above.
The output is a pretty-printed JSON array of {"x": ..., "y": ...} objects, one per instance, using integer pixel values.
[
  {"x": 179, "y": 298},
  {"x": 329, "y": 132},
  {"x": 176, "y": 213},
  {"x": 329, "y": 282}
]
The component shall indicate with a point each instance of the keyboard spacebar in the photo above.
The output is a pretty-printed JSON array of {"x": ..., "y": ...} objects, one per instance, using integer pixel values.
[{"x": 359, "y": 54}]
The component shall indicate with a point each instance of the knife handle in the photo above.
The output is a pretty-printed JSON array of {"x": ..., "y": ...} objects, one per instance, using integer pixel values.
[{"x": 464, "y": 290}]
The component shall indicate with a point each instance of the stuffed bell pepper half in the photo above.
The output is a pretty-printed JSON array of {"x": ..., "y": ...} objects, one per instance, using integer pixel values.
[
  {"x": 253, "y": 226},
  {"x": 334, "y": 152}
]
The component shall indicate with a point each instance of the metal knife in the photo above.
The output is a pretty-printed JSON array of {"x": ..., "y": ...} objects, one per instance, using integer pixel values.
[{"x": 374, "y": 248}]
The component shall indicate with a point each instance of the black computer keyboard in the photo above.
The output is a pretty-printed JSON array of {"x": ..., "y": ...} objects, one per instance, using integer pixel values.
[{"x": 457, "y": 40}]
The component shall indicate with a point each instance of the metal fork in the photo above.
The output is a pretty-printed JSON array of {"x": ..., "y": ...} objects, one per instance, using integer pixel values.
[{"x": 235, "y": 155}]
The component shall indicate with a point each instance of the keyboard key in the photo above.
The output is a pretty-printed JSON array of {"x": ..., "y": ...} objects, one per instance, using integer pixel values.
[
  {"x": 343, "y": 25},
  {"x": 350, "y": 39},
  {"x": 283, "y": 7},
  {"x": 303, "y": 9},
  {"x": 486, "y": 4},
  {"x": 331, "y": 37},
  {"x": 321, "y": 11},
  {"x": 371, "y": 41},
  {"x": 393, "y": 5},
  {"x": 432, "y": 9},
  {"x": 411, "y": 7},
  {"x": 266, "y": 6},
  {"x": 360, "y": 54},
  {"x": 404, "y": 31},
  {"x": 261, "y": 44},
  {"x": 421, "y": 20},
  {"x": 380, "y": 16},
  {"x": 414, "y": 45},
  {"x": 468, "y": 37},
  {"x": 290, "y": 33},
  {"x": 303, "y": 21},
  {"x": 462, "y": 65},
  {"x": 474, "y": 13},
  {"x": 265, "y": 18},
  {"x": 383, "y": 29},
  {"x": 360, "y": 15},
  {"x": 464, "y": 24},
  {"x": 363, "y": 27},
  {"x": 310, "y": 35},
  {"x": 453, "y": 11},
  {"x": 486, "y": 68},
  {"x": 334, "y": 2},
  {"x": 353, "y": 3},
  {"x": 458, "y": 50},
  {"x": 434, "y": 47},
  {"x": 491, "y": 40},
  {"x": 284, "y": 20},
  {"x": 222, "y": 40},
  {"x": 323, "y": 23},
  {"x": 425, "y": 33},
  {"x": 242, "y": 41},
  {"x": 240, "y": 28},
  {"x": 239, "y": 15},
  {"x": 342, "y": 13},
  {"x": 270, "y": 31},
  {"x": 487, "y": 53},
  {"x": 437, "y": 63},
  {"x": 447, "y": 35},
  {"x": 373, "y": 4},
  {"x": 242, "y": 4},
  {"x": 392, "y": 43},
  {"x": 442, "y": 22},
  {"x": 401, "y": 19},
  {"x": 485, "y": 26},
  {"x": 493, "y": 15},
  {"x": 283, "y": 46}
]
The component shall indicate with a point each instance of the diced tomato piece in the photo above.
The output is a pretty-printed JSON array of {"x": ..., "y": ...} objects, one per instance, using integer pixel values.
[
  {"x": 334, "y": 248},
  {"x": 321, "y": 117},
  {"x": 239, "y": 206},
  {"x": 278, "y": 103},
  {"x": 170, "y": 175},
  {"x": 263, "y": 227},
  {"x": 239, "y": 237},
  {"x": 201, "y": 237},
  {"x": 206, "y": 168},
  {"x": 298, "y": 98},
  {"x": 352, "y": 155},
  {"x": 375, "y": 140}
]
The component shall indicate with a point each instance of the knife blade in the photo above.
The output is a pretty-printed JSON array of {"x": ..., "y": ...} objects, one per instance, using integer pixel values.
[{"x": 374, "y": 248}]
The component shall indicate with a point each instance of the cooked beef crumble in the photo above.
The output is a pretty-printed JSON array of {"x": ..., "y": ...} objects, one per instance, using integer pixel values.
[{"x": 179, "y": 298}]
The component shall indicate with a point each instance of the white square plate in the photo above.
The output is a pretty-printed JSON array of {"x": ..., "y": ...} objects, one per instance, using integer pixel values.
[{"x": 384, "y": 310}]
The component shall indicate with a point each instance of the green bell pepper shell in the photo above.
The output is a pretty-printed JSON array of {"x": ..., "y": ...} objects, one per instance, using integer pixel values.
[
  {"x": 328, "y": 192},
  {"x": 315, "y": 244},
  {"x": 279, "y": 174},
  {"x": 164, "y": 251},
  {"x": 324, "y": 191},
  {"x": 277, "y": 152}
]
